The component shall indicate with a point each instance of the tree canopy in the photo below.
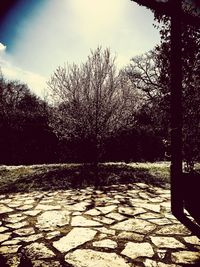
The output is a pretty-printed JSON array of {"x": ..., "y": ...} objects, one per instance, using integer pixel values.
[{"x": 92, "y": 101}]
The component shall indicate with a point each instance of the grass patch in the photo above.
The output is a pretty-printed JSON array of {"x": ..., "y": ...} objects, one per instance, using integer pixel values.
[{"x": 66, "y": 176}]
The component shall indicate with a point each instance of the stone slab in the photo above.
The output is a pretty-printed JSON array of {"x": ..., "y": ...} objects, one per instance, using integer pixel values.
[
  {"x": 93, "y": 212},
  {"x": 134, "y": 225},
  {"x": 3, "y": 229},
  {"x": 11, "y": 242},
  {"x": 17, "y": 225},
  {"x": 32, "y": 212},
  {"x": 30, "y": 238},
  {"x": 152, "y": 263},
  {"x": 166, "y": 242},
  {"x": 106, "y": 243},
  {"x": 82, "y": 221},
  {"x": 130, "y": 236},
  {"x": 106, "y": 209},
  {"x": 42, "y": 263},
  {"x": 186, "y": 257},
  {"x": 79, "y": 206},
  {"x": 116, "y": 216},
  {"x": 25, "y": 207},
  {"x": 52, "y": 219},
  {"x": 76, "y": 237},
  {"x": 135, "y": 250},
  {"x": 161, "y": 221},
  {"x": 90, "y": 258},
  {"x": 152, "y": 207},
  {"x": 104, "y": 220},
  {"x": 175, "y": 229},
  {"x": 105, "y": 230},
  {"x": 4, "y": 209},
  {"x": 24, "y": 231},
  {"x": 130, "y": 211},
  {"x": 4, "y": 237},
  {"x": 192, "y": 240},
  {"x": 36, "y": 251},
  {"x": 53, "y": 234},
  {"x": 9, "y": 249}
]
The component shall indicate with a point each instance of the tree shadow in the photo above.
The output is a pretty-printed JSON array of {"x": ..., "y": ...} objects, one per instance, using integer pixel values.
[{"x": 47, "y": 178}]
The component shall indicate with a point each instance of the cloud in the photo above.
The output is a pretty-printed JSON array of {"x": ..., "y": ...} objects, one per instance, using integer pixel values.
[
  {"x": 36, "y": 82},
  {"x": 2, "y": 47}
]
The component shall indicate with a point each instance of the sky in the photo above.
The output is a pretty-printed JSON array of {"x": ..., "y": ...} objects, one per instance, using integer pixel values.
[{"x": 37, "y": 36}]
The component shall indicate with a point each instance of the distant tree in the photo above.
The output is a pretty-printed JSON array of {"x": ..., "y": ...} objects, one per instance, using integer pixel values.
[
  {"x": 145, "y": 73},
  {"x": 150, "y": 73},
  {"x": 25, "y": 136},
  {"x": 91, "y": 102}
]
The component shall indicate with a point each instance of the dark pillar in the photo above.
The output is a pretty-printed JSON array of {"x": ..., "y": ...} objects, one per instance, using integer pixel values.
[{"x": 176, "y": 110}]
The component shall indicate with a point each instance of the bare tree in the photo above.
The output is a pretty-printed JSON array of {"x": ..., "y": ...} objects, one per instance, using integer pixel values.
[
  {"x": 91, "y": 101},
  {"x": 145, "y": 73}
]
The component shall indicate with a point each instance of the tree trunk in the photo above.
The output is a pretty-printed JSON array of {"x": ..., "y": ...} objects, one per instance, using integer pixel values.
[{"x": 176, "y": 110}]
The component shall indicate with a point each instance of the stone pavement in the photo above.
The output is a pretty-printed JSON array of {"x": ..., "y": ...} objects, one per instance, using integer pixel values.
[{"x": 118, "y": 226}]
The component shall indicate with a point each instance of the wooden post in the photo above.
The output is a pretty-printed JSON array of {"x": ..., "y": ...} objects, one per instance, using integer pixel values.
[{"x": 176, "y": 110}]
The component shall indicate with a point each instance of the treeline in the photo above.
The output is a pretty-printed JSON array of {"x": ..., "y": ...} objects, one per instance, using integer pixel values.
[
  {"x": 97, "y": 113},
  {"x": 32, "y": 130},
  {"x": 25, "y": 136}
]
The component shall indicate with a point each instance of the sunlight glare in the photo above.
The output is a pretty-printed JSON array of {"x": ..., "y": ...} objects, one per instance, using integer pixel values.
[{"x": 97, "y": 15}]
